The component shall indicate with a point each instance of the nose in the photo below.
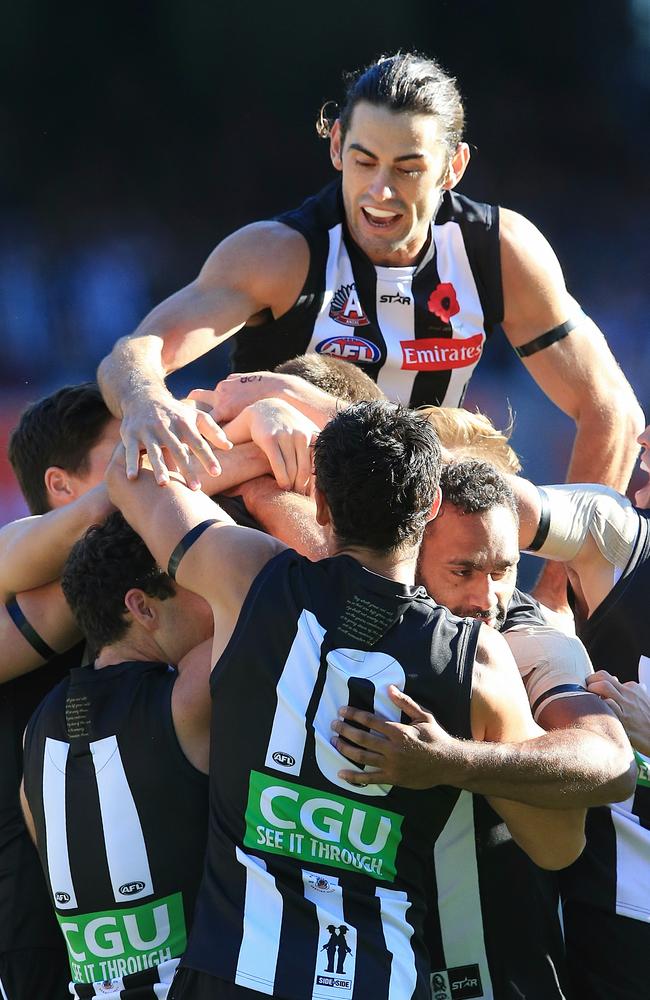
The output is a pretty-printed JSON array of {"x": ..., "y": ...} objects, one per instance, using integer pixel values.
[
  {"x": 644, "y": 438},
  {"x": 380, "y": 187},
  {"x": 484, "y": 592}
]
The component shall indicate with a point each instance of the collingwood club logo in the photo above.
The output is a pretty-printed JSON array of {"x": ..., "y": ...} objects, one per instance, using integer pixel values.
[{"x": 345, "y": 307}]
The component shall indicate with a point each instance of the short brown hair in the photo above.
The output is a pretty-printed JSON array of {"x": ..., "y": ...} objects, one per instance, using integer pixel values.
[{"x": 333, "y": 375}]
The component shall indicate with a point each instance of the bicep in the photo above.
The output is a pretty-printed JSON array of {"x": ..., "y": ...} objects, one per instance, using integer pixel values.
[{"x": 500, "y": 711}]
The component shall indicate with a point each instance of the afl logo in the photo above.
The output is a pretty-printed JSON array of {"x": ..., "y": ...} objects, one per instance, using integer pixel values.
[
  {"x": 284, "y": 759},
  {"x": 354, "y": 349},
  {"x": 62, "y": 897},
  {"x": 130, "y": 888}
]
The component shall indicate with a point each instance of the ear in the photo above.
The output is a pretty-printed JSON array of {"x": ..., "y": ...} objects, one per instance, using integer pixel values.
[
  {"x": 435, "y": 506},
  {"x": 60, "y": 489},
  {"x": 323, "y": 516},
  {"x": 457, "y": 166},
  {"x": 336, "y": 145},
  {"x": 142, "y": 608}
]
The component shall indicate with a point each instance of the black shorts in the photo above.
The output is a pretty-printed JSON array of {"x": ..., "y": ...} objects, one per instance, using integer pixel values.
[
  {"x": 191, "y": 985},
  {"x": 34, "y": 972}
]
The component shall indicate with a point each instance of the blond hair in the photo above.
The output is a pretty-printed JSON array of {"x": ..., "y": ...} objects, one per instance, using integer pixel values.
[{"x": 473, "y": 435}]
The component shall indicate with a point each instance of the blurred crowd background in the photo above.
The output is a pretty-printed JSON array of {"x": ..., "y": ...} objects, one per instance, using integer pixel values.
[{"x": 136, "y": 135}]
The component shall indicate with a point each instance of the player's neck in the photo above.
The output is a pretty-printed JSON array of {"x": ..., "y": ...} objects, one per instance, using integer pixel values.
[
  {"x": 398, "y": 565},
  {"x": 132, "y": 647}
]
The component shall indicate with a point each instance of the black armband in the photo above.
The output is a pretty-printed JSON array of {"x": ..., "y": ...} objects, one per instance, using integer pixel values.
[
  {"x": 544, "y": 522},
  {"x": 548, "y": 338},
  {"x": 28, "y": 632},
  {"x": 185, "y": 543}
]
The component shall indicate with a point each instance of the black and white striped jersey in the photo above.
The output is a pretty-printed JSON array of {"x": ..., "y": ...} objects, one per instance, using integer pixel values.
[
  {"x": 121, "y": 820},
  {"x": 613, "y": 872},
  {"x": 498, "y": 905},
  {"x": 312, "y": 888},
  {"x": 417, "y": 331}
]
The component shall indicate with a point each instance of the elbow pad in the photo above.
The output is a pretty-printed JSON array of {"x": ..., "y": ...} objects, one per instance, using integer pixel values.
[
  {"x": 577, "y": 510},
  {"x": 552, "y": 664}
]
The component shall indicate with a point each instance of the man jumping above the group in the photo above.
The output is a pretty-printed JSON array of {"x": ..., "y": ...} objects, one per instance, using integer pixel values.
[{"x": 389, "y": 268}]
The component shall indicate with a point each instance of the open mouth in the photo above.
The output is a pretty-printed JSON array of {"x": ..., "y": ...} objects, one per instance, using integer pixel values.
[{"x": 380, "y": 218}]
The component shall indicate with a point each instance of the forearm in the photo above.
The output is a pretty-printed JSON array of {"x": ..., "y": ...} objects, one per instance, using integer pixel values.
[
  {"x": 288, "y": 516},
  {"x": 34, "y": 549},
  {"x": 244, "y": 461},
  {"x": 558, "y": 770},
  {"x": 133, "y": 369},
  {"x": 605, "y": 448}
]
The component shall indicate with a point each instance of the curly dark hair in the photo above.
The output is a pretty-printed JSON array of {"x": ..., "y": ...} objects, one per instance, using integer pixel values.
[
  {"x": 475, "y": 486},
  {"x": 59, "y": 429},
  {"x": 378, "y": 467},
  {"x": 102, "y": 567}
]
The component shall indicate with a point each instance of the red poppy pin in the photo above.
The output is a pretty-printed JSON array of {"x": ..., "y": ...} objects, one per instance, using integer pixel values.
[{"x": 443, "y": 301}]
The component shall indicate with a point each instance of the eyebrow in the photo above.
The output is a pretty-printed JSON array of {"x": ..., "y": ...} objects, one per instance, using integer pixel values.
[
  {"x": 473, "y": 564},
  {"x": 373, "y": 156}
]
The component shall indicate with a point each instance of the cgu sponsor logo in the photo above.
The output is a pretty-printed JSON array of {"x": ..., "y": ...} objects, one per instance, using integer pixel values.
[
  {"x": 345, "y": 307},
  {"x": 305, "y": 823},
  {"x": 354, "y": 349},
  {"x": 434, "y": 354},
  {"x": 283, "y": 759},
  {"x": 113, "y": 943}
]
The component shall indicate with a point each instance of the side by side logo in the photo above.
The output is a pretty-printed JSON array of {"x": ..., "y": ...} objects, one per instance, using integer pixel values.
[{"x": 435, "y": 354}]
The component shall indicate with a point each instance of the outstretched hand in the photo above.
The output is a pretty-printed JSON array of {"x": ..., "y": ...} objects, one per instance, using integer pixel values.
[
  {"x": 416, "y": 755},
  {"x": 175, "y": 434}
]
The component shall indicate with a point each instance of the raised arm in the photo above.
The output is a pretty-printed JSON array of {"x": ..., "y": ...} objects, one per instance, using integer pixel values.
[
  {"x": 259, "y": 269},
  {"x": 193, "y": 538},
  {"x": 578, "y": 371},
  {"x": 34, "y": 549},
  {"x": 34, "y": 627}
]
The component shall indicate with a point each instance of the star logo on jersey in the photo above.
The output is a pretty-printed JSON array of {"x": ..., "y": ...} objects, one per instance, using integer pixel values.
[
  {"x": 345, "y": 307},
  {"x": 443, "y": 302}
]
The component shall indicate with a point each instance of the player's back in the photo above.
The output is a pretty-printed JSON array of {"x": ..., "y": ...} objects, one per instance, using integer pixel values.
[
  {"x": 313, "y": 888},
  {"x": 120, "y": 817}
]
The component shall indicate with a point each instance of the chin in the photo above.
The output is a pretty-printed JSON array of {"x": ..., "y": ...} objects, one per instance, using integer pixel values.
[{"x": 642, "y": 497}]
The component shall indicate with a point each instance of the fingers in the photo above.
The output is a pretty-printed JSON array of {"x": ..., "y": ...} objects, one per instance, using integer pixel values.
[
  {"x": 616, "y": 708},
  {"x": 603, "y": 689},
  {"x": 202, "y": 398},
  {"x": 359, "y": 737},
  {"x": 132, "y": 459},
  {"x": 211, "y": 430},
  {"x": 406, "y": 704},
  {"x": 360, "y": 779},
  {"x": 367, "y": 719},
  {"x": 303, "y": 472},
  {"x": 356, "y": 753}
]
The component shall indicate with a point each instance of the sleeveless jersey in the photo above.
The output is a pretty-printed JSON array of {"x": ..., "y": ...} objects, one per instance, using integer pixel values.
[
  {"x": 121, "y": 820},
  {"x": 313, "y": 888},
  {"x": 417, "y": 331},
  {"x": 517, "y": 949},
  {"x": 614, "y": 871}
]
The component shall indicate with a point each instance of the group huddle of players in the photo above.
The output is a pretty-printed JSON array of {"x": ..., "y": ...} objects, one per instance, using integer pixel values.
[{"x": 290, "y": 728}]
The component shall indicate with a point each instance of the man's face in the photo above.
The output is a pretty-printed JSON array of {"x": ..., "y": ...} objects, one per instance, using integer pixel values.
[
  {"x": 642, "y": 495},
  {"x": 468, "y": 562},
  {"x": 393, "y": 168}
]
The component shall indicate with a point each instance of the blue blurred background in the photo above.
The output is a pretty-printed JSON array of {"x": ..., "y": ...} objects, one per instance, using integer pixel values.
[{"x": 136, "y": 135}]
